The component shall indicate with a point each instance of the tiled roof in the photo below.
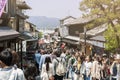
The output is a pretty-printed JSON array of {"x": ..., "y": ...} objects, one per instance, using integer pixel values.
[
  {"x": 97, "y": 30},
  {"x": 7, "y": 33},
  {"x": 67, "y": 17},
  {"x": 80, "y": 20}
]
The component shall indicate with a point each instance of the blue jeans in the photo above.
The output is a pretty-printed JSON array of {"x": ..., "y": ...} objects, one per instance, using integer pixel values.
[
  {"x": 87, "y": 77},
  {"x": 72, "y": 73}
]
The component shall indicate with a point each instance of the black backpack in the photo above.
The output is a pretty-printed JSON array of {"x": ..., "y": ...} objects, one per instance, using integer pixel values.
[{"x": 72, "y": 61}]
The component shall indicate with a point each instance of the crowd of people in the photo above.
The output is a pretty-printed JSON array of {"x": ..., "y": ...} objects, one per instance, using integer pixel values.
[
  {"x": 59, "y": 62},
  {"x": 76, "y": 65}
]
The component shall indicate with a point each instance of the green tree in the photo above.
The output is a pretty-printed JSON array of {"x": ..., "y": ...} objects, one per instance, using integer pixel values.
[
  {"x": 40, "y": 34},
  {"x": 111, "y": 40},
  {"x": 107, "y": 11}
]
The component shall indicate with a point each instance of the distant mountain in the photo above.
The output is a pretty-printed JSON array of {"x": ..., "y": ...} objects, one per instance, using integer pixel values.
[{"x": 44, "y": 22}]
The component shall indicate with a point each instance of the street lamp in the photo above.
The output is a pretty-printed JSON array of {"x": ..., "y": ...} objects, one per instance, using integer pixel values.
[{"x": 85, "y": 39}]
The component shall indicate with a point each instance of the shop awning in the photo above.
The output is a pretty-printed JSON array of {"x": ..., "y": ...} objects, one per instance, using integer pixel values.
[
  {"x": 98, "y": 38},
  {"x": 71, "y": 39},
  {"x": 8, "y": 33},
  {"x": 26, "y": 36},
  {"x": 32, "y": 40},
  {"x": 76, "y": 40}
]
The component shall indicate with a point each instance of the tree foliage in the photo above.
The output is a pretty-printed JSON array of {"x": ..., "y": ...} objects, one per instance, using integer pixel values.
[
  {"x": 40, "y": 34},
  {"x": 111, "y": 38},
  {"x": 107, "y": 11}
]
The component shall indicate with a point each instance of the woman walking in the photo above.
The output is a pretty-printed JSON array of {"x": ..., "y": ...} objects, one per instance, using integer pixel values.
[
  {"x": 47, "y": 70},
  {"x": 77, "y": 74},
  {"x": 96, "y": 69},
  {"x": 88, "y": 66}
]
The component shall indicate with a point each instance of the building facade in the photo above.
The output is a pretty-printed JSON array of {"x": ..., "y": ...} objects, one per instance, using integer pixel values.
[{"x": 79, "y": 34}]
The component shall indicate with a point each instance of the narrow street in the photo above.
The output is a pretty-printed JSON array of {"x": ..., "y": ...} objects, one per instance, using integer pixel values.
[{"x": 59, "y": 39}]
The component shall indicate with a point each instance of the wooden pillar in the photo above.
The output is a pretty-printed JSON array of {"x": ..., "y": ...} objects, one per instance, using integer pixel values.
[
  {"x": 18, "y": 46},
  {"x": 85, "y": 46},
  {"x": 8, "y": 43},
  {"x": 21, "y": 54},
  {"x": 15, "y": 45}
]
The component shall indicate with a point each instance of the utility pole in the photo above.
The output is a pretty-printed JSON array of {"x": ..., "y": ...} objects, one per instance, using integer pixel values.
[{"x": 85, "y": 39}]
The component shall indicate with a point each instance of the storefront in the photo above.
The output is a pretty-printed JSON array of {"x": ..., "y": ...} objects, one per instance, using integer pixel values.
[{"x": 8, "y": 38}]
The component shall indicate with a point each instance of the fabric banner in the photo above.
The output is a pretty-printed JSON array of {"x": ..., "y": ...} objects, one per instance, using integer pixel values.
[{"x": 2, "y": 6}]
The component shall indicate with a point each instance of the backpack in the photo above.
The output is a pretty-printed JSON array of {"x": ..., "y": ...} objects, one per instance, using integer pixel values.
[
  {"x": 114, "y": 70},
  {"x": 60, "y": 69},
  {"x": 72, "y": 62}
]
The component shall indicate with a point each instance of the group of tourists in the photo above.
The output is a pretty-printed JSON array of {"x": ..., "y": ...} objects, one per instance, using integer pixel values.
[{"x": 59, "y": 62}]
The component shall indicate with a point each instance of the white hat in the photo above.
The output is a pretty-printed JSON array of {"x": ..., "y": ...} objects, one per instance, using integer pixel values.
[
  {"x": 117, "y": 56},
  {"x": 104, "y": 55}
]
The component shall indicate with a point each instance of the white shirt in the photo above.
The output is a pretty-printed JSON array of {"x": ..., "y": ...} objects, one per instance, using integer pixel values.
[
  {"x": 88, "y": 66},
  {"x": 11, "y": 74},
  {"x": 50, "y": 72},
  {"x": 63, "y": 55}
]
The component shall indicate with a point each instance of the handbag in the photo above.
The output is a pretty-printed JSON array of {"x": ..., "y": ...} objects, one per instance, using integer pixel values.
[{"x": 77, "y": 71}]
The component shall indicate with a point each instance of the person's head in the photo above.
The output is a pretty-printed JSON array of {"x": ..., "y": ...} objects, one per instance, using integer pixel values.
[
  {"x": 96, "y": 57},
  {"x": 76, "y": 54},
  {"x": 82, "y": 58},
  {"x": 6, "y": 58},
  {"x": 47, "y": 61},
  {"x": 57, "y": 53},
  {"x": 88, "y": 58},
  {"x": 73, "y": 53},
  {"x": 63, "y": 50},
  {"x": 111, "y": 59},
  {"x": 117, "y": 58},
  {"x": 39, "y": 51},
  {"x": 100, "y": 59},
  {"x": 49, "y": 51},
  {"x": 15, "y": 57},
  {"x": 42, "y": 51},
  {"x": 31, "y": 72},
  {"x": 104, "y": 56}
]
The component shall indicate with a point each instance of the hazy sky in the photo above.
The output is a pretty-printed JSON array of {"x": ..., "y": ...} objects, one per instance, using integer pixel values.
[{"x": 54, "y": 8}]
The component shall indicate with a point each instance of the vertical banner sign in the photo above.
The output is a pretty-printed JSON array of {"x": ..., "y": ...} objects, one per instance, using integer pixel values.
[{"x": 2, "y": 6}]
